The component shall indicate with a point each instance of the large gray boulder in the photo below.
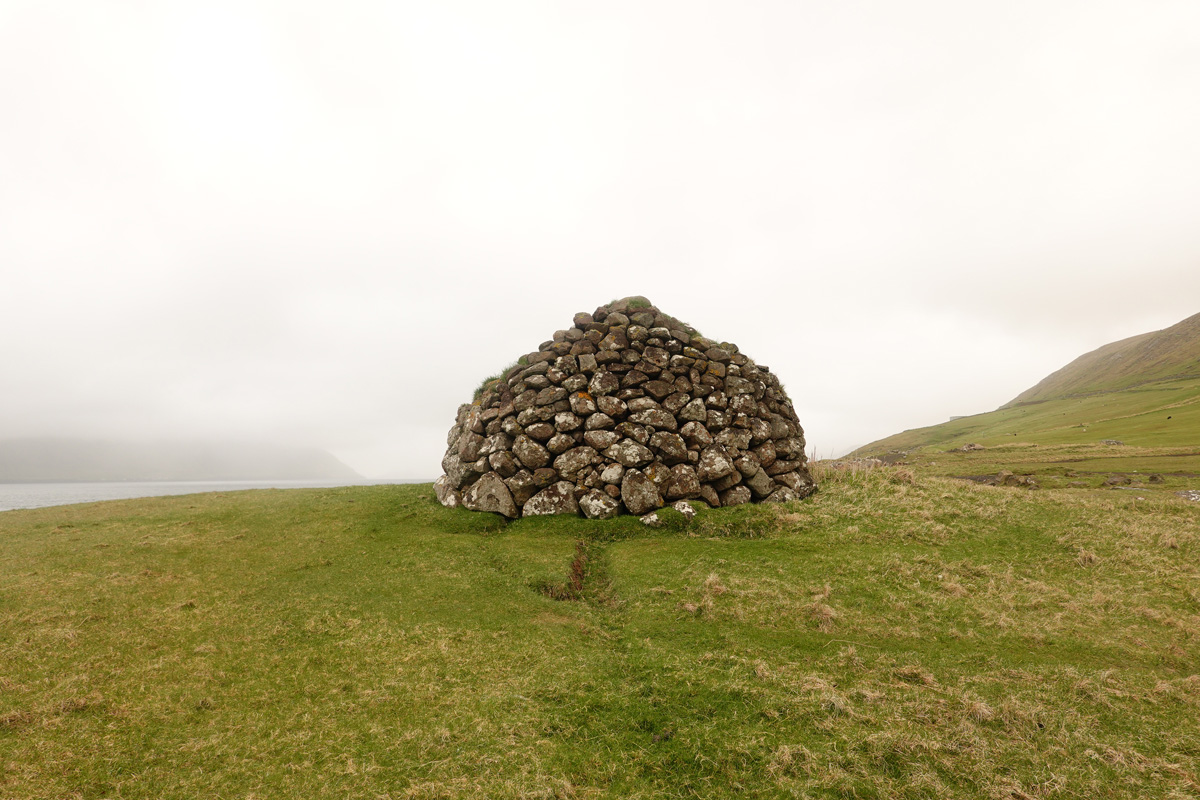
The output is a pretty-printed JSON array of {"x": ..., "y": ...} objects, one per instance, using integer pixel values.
[
  {"x": 556, "y": 499},
  {"x": 639, "y": 493},
  {"x": 489, "y": 493},
  {"x": 598, "y": 505}
]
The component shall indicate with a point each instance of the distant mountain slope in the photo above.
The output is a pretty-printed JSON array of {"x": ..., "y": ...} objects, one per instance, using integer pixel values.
[
  {"x": 49, "y": 459},
  {"x": 1159, "y": 414},
  {"x": 1170, "y": 353},
  {"x": 1143, "y": 391}
]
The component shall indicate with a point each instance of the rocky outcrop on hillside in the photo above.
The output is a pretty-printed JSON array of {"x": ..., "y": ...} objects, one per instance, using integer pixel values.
[{"x": 626, "y": 410}]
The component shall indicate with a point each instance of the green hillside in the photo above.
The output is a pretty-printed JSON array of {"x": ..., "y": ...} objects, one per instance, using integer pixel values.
[
  {"x": 896, "y": 635},
  {"x": 1170, "y": 353},
  {"x": 1158, "y": 414},
  {"x": 1142, "y": 392}
]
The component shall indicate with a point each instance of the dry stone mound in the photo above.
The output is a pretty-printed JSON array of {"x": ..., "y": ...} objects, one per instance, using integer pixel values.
[{"x": 623, "y": 412}]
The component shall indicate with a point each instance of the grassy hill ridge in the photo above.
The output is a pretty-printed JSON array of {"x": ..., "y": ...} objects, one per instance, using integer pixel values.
[
  {"x": 1143, "y": 392},
  {"x": 1159, "y": 414},
  {"x": 1171, "y": 353}
]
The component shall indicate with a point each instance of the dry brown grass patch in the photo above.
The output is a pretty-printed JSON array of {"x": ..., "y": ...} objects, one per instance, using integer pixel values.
[
  {"x": 836, "y": 704},
  {"x": 979, "y": 711},
  {"x": 915, "y": 675},
  {"x": 713, "y": 585},
  {"x": 822, "y": 614},
  {"x": 15, "y": 719},
  {"x": 954, "y": 589},
  {"x": 791, "y": 760}
]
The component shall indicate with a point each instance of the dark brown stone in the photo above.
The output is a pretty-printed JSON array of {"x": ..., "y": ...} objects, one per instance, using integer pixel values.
[
  {"x": 571, "y": 463},
  {"x": 604, "y": 383},
  {"x": 560, "y": 443},
  {"x": 599, "y": 422},
  {"x": 696, "y": 435},
  {"x": 633, "y": 431},
  {"x": 633, "y": 378},
  {"x": 669, "y": 446},
  {"x": 656, "y": 418},
  {"x": 551, "y": 395},
  {"x": 658, "y": 389},
  {"x": 675, "y": 402},
  {"x": 601, "y": 440},
  {"x": 612, "y": 406},
  {"x": 732, "y": 479},
  {"x": 504, "y": 463},
  {"x": 735, "y": 496},
  {"x": 780, "y": 466},
  {"x": 566, "y": 421},
  {"x": 684, "y": 483},
  {"x": 540, "y": 431}
]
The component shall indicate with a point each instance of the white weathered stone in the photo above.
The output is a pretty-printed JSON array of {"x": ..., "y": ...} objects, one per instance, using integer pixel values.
[
  {"x": 629, "y": 453},
  {"x": 447, "y": 495},
  {"x": 639, "y": 493},
  {"x": 613, "y": 473},
  {"x": 685, "y": 508},
  {"x": 490, "y": 494},
  {"x": 556, "y": 499},
  {"x": 714, "y": 463},
  {"x": 598, "y": 505}
]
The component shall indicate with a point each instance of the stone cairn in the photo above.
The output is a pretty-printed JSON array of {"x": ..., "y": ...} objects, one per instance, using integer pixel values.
[{"x": 623, "y": 411}]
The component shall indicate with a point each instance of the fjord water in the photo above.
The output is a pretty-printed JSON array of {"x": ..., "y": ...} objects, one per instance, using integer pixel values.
[{"x": 40, "y": 495}]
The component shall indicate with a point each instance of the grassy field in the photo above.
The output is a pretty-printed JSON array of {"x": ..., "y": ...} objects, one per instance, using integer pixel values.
[
  {"x": 899, "y": 634},
  {"x": 1068, "y": 441},
  {"x": 1165, "y": 414}
]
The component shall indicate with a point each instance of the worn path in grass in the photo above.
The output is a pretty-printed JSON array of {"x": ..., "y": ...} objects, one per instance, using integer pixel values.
[{"x": 894, "y": 636}]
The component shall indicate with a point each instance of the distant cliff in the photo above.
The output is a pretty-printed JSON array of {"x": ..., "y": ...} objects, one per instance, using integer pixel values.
[{"x": 52, "y": 459}]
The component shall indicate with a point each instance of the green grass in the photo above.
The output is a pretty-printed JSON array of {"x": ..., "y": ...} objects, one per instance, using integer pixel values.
[
  {"x": 1137, "y": 417},
  {"x": 493, "y": 381},
  {"x": 897, "y": 635},
  {"x": 1063, "y": 441}
]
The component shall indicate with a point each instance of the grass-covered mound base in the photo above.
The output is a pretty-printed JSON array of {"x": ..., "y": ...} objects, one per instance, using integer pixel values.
[{"x": 890, "y": 637}]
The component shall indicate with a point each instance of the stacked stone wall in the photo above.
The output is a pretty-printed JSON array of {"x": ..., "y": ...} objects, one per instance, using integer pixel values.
[{"x": 620, "y": 413}]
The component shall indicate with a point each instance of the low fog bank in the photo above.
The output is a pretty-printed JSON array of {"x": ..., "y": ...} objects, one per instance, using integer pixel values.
[{"x": 31, "y": 460}]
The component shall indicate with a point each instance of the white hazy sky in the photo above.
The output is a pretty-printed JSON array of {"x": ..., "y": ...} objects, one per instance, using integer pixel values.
[{"x": 323, "y": 223}]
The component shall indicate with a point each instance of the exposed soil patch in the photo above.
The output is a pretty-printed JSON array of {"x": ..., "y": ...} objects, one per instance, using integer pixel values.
[
  {"x": 1003, "y": 478},
  {"x": 1121, "y": 457}
]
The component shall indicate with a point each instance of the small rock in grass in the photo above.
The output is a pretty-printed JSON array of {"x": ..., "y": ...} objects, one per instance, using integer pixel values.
[{"x": 685, "y": 508}]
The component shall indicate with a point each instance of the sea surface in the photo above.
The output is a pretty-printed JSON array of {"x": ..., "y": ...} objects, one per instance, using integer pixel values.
[{"x": 40, "y": 495}]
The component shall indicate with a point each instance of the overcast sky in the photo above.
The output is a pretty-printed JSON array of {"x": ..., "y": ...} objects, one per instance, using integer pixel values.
[{"x": 323, "y": 223}]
